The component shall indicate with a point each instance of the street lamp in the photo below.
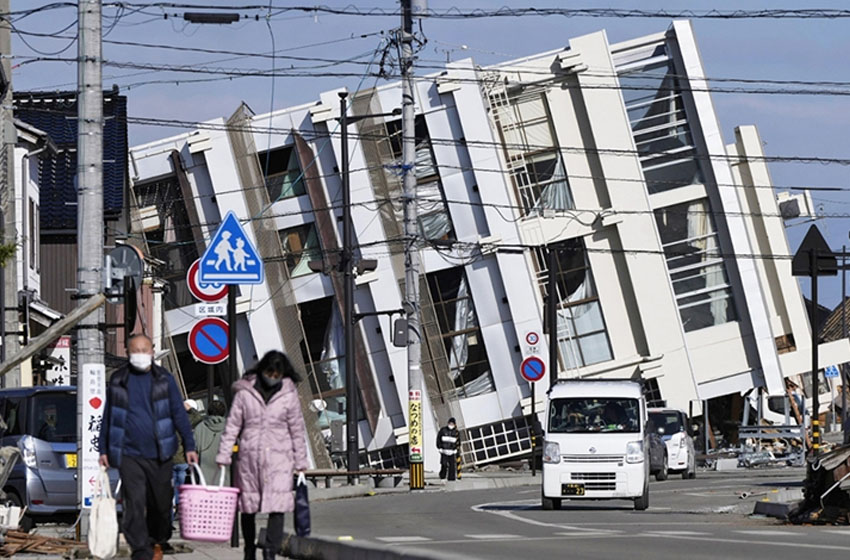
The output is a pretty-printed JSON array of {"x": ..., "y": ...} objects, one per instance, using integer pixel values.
[{"x": 346, "y": 266}]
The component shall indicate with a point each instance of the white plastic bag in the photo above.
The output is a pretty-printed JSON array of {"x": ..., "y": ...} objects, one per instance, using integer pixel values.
[{"x": 103, "y": 521}]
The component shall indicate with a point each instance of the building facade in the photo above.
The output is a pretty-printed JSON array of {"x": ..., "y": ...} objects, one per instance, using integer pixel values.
[{"x": 672, "y": 261}]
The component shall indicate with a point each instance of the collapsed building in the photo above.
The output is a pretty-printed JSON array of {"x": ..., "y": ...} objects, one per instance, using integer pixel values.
[{"x": 673, "y": 266}]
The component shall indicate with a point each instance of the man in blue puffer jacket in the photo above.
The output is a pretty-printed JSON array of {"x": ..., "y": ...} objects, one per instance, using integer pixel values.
[{"x": 144, "y": 413}]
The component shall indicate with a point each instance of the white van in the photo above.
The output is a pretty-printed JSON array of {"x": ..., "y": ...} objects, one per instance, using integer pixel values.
[{"x": 596, "y": 444}]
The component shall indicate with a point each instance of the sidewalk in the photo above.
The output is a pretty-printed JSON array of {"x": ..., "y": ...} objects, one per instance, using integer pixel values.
[{"x": 205, "y": 551}]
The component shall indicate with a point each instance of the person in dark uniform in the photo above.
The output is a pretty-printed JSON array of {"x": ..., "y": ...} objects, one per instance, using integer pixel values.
[{"x": 448, "y": 443}]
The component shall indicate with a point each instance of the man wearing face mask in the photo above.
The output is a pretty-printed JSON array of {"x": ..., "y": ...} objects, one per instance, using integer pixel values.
[
  {"x": 144, "y": 413},
  {"x": 448, "y": 442}
]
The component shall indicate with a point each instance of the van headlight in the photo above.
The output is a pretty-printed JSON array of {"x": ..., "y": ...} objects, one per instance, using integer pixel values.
[
  {"x": 28, "y": 451},
  {"x": 682, "y": 442},
  {"x": 634, "y": 452},
  {"x": 551, "y": 452}
]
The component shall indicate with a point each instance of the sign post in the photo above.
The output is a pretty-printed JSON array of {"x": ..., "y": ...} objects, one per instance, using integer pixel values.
[
  {"x": 230, "y": 258},
  {"x": 532, "y": 370},
  {"x": 814, "y": 258}
]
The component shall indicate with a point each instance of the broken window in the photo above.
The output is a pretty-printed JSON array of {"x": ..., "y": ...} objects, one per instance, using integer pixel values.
[
  {"x": 282, "y": 172},
  {"x": 656, "y": 111},
  {"x": 323, "y": 350},
  {"x": 433, "y": 215},
  {"x": 300, "y": 246},
  {"x": 169, "y": 238},
  {"x": 469, "y": 367},
  {"x": 532, "y": 153},
  {"x": 652, "y": 393},
  {"x": 695, "y": 263},
  {"x": 582, "y": 335}
]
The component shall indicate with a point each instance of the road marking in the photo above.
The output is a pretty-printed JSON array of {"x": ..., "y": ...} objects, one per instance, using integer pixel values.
[
  {"x": 677, "y": 533},
  {"x": 585, "y": 534},
  {"x": 786, "y": 544},
  {"x": 769, "y": 533},
  {"x": 503, "y": 511},
  {"x": 845, "y": 532},
  {"x": 492, "y": 537},
  {"x": 403, "y": 539}
]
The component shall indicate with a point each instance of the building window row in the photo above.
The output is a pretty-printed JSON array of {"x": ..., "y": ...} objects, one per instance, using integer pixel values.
[
  {"x": 532, "y": 154},
  {"x": 656, "y": 111},
  {"x": 695, "y": 263},
  {"x": 582, "y": 335},
  {"x": 469, "y": 367}
]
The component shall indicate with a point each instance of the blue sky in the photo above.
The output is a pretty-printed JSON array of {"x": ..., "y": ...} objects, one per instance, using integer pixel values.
[{"x": 790, "y": 125}]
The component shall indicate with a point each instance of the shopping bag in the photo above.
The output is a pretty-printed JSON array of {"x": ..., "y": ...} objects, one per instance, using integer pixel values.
[
  {"x": 302, "y": 507},
  {"x": 103, "y": 521}
]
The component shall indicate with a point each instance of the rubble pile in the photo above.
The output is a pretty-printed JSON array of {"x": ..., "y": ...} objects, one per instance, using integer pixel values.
[
  {"x": 826, "y": 494},
  {"x": 18, "y": 542}
]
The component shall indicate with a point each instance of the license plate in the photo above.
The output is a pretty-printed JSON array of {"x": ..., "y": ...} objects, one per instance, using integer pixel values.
[
  {"x": 70, "y": 460},
  {"x": 572, "y": 489}
]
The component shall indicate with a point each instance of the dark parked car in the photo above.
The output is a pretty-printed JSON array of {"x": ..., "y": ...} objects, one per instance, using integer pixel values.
[
  {"x": 657, "y": 453},
  {"x": 42, "y": 423}
]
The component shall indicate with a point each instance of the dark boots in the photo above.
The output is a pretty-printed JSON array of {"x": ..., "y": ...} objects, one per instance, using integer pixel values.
[
  {"x": 250, "y": 552},
  {"x": 269, "y": 554}
]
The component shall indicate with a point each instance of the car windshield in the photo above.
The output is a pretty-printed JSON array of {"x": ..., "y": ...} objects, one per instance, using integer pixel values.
[
  {"x": 54, "y": 417},
  {"x": 670, "y": 421},
  {"x": 588, "y": 415}
]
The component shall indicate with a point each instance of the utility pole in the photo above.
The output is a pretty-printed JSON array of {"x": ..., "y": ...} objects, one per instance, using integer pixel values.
[
  {"x": 844, "y": 375},
  {"x": 11, "y": 324},
  {"x": 90, "y": 369},
  {"x": 352, "y": 441},
  {"x": 411, "y": 260}
]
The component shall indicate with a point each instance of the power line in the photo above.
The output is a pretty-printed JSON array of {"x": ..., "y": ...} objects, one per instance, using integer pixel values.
[
  {"x": 455, "y": 12},
  {"x": 813, "y": 88},
  {"x": 731, "y": 159}
]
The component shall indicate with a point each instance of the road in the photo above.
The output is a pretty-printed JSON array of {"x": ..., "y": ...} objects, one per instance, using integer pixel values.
[{"x": 694, "y": 519}]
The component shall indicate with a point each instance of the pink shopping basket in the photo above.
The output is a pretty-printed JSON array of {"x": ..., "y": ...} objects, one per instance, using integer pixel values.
[{"x": 207, "y": 512}]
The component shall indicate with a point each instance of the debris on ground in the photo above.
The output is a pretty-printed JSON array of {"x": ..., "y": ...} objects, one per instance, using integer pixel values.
[
  {"x": 826, "y": 494},
  {"x": 18, "y": 542}
]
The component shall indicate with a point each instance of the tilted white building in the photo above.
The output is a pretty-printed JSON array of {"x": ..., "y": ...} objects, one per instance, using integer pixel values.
[{"x": 672, "y": 257}]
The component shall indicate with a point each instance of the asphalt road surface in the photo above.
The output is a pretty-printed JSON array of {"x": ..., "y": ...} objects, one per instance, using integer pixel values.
[{"x": 694, "y": 519}]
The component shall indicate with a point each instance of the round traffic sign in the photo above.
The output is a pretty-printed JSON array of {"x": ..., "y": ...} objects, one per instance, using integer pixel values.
[
  {"x": 532, "y": 369},
  {"x": 208, "y": 340},
  {"x": 532, "y": 338},
  {"x": 202, "y": 291}
]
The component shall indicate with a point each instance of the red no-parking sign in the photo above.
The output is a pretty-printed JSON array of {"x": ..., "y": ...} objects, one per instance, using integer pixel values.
[{"x": 208, "y": 340}]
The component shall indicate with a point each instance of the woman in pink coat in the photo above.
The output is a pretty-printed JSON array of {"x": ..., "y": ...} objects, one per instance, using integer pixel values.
[{"x": 266, "y": 418}]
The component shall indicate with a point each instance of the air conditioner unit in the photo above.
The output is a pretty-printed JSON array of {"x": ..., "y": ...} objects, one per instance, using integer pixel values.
[{"x": 798, "y": 205}]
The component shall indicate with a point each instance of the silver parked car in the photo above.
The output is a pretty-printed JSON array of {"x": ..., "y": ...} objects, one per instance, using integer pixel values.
[{"x": 42, "y": 423}]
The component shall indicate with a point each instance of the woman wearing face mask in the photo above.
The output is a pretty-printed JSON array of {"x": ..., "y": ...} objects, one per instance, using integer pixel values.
[{"x": 266, "y": 418}]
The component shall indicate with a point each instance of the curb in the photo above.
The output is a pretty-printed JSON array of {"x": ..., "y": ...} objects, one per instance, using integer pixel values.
[
  {"x": 472, "y": 483},
  {"x": 323, "y": 548}
]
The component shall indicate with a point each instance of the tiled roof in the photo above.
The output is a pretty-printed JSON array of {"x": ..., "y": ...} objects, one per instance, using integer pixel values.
[
  {"x": 56, "y": 114},
  {"x": 832, "y": 326}
]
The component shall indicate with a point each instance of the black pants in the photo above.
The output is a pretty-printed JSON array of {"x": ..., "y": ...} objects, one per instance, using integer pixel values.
[
  {"x": 147, "y": 493},
  {"x": 448, "y": 467},
  {"x": 274, "y": 531}
]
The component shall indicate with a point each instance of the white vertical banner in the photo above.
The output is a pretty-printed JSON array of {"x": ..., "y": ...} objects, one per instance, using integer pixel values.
[{"x": 92, "y": 389}]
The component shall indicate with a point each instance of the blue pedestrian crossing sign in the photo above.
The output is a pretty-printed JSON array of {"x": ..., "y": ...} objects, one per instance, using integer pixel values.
[
  {"x": 230, "y": 257},
  {"x": 830, "y": 371}
]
